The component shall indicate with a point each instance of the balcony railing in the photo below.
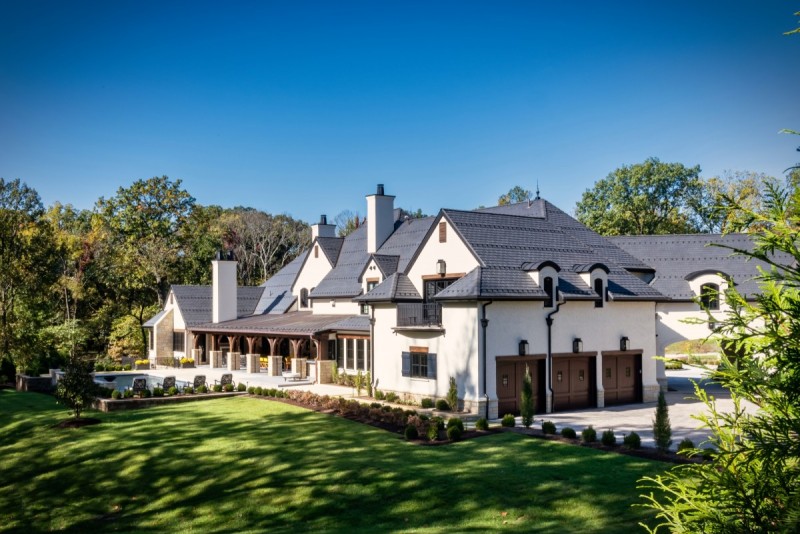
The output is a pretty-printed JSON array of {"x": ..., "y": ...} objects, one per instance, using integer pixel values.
[{"x": 419, "y": 314}]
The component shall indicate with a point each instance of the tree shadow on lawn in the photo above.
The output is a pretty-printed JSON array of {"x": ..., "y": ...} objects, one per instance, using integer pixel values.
[{"x": 247, "y": 464}]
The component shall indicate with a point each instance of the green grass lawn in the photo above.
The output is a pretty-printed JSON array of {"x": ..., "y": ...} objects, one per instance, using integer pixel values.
[{"x": 250, "y": 465}]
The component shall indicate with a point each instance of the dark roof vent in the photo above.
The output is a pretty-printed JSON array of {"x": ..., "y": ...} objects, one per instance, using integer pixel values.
[
  {"x": 380, "y": 189},
  {"x": 323, "y": 219}
]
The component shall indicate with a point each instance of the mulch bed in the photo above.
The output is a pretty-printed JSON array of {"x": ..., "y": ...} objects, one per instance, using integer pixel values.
[{"x": 77, "y": 423}]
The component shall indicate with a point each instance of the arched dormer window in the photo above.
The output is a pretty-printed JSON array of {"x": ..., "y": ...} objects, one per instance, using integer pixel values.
[
  {"x": 709, "y": 296},
  {"x": 547, "y": 284},
  {"x": 304, "y": 298},
  {"x": 600, "y": 290}
]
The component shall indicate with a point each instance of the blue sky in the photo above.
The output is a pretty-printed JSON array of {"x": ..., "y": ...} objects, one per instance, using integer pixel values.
[{"x": 302, "y": 107}]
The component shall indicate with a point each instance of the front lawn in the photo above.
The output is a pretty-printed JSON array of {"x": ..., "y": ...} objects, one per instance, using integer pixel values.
[{"x": 251, "y": 465}]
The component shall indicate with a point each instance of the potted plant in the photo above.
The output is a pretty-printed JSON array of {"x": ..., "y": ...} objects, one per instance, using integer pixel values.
[
  {"x": 187, "y": 363},
  {"x": 142, "y": 364}
]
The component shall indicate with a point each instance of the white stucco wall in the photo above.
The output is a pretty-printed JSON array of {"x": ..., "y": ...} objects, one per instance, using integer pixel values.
[
  {"x": 454, "y": 252},
  {"x": 336, "y": 307},
  {"x": 311, "y": 274}
]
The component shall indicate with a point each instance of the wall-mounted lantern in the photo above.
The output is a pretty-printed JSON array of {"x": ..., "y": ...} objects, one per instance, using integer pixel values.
[
  {"x": 577, "y": 345},
  {"x": 441, "y": 268},
  {"x": 523, "y": 347},
  {"x": 624, "y": 343}
]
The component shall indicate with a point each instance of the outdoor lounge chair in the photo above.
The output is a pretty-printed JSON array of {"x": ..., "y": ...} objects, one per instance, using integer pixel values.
[
  {"x": 169, "y": 382},
  {"x": 224, "y": 380},
  {"x": 199, "y": 380},
  {"x": 139, "y": 386}
]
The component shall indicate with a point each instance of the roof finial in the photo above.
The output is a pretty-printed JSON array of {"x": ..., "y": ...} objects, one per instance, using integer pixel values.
[{"x": 537, "y": 190}]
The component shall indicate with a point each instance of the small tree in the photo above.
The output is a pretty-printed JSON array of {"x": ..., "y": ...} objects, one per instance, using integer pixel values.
[
  {"x": 527, "y": 399},
  {"x": 368, "y": 379},
  {"x": 662, "y": 430},
  {"x": 359, "y": 382},
  {"x": 76, "y": 388},
  {"x": 452, "y": 395}
]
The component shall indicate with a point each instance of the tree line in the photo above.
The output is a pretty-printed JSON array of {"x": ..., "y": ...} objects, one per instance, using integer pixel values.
[{"x": 83, "y": 280}]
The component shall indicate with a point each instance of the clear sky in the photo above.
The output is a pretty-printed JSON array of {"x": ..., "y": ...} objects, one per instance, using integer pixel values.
[{"x": 302, "y": 107}]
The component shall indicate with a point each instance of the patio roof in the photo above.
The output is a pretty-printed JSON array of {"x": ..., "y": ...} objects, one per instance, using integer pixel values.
[{"x": 301, "y": 323}]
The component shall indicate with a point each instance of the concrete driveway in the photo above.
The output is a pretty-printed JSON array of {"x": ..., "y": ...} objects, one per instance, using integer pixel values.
[{"x": 639, "y": 417}]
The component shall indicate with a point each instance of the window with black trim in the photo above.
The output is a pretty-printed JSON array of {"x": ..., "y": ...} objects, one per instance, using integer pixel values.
[
  {"x": 419, "y": 365},
  {"x": 304, "y": 298},
  {"x": 364, "y": 306},
  {"x": 548, "y": 288},
  {"x": 598, "y": 288},
  {"x": 151, "y": 338},
  {"x": 709, "y": 296},
  {"x": 178, "y": 341}
]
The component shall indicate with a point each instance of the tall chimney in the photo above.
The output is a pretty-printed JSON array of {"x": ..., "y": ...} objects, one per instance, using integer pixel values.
[
  {"x": 380, "y": 219},
  {"x": 322, "y": 228},
  {"x": 223, "y": 288}
]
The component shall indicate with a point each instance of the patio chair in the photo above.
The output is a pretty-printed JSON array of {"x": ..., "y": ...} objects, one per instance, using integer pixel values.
[
  {"x": 167, "y": 383},
  {"x": 199, "y": 380},
  {"x": 224, "y": 380},
  {"x": 139, "y": 386}
]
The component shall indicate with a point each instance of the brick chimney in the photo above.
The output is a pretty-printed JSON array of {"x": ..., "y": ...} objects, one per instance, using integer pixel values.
[
  {"x": 380, "y": 219},
  {"x": 223, "y": 288}
]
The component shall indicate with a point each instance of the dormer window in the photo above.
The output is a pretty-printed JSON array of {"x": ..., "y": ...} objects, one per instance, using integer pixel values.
[
  {"x": 709, "y": 296},
  {"x": 600, "y": 290},
  {"x": 548, "y": 288}
]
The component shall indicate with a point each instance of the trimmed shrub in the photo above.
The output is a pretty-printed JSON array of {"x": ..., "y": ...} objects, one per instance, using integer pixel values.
[
  {"x": 632, "y": 441},
  {"x": 482, "y": 424},
  {"x": 217, "y": 388},
  {"x": 228, "y": 387},
  {"x": 241, "y": 387},
  {"x": 172, "y": 391},
  {"x": 392, "y": 397},
  {"x": 146, "y": 394},
  {"x": 251, "y": 390},
  {"x": 673, "y": 364},
  {"x": 368, "y": 383},
  {"x": 548, "y": 427},
  {"x": 126, "y": 367},
  {"x": 116, "y": 394},
  {"x": 454, "y": 433},
  {"x": 99, "y": 367},
  {"x": 259, "y": 390},
  {"x": 452, "y": 395},
  {"x": 202, "y": 389},
  {"x": 426, "y": 403},
  {"x": 158, "y": 392},
  {"x": 568, "y": 432},
  {"x": 508, "y": 420},
  {"x": 379, "y": 394},
  {"x": 662, "y": 429},
  {"x": 188, "y": 390},
  {"x": 455, "y": 421},
  {"x": 128, "y": 394},
  {"x": 608, "y": 438},
  {"x": 442, "y": 405},
  {"x": 438, "y": 422},
  {"x": 433, "y": 431},
  {"x": 527, "y": 411},
  {"x": 685, "y": 446},
  {"x": 411, "y": 432},
  {"x": 589, "y": 434}
]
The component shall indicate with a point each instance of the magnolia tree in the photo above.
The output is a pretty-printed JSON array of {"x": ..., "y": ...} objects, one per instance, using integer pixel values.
[{"x": 76, "y": 389}]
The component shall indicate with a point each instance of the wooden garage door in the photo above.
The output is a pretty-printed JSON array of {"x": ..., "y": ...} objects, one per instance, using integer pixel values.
[
  {"x": 510, "y": 374},
  {"x": 622, "y": 378},
  {"x": 573, "y": 383}
]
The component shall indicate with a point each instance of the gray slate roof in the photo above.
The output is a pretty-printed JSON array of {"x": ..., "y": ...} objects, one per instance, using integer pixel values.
[
  {"x": 676, "y": 257},
  {"x": 396, "y": 287},
  {"x": 504, "y": 243},
  {"x": 195, "y": 302},
  {"x": 331, "y": 246},
  {"x": 277, "y": 291},
  {"x": 299, "y": 323},
  {"x": 387, "y": 264},
  {"x": 343, "y": 280},
  {"x": 150, "y": 323}
]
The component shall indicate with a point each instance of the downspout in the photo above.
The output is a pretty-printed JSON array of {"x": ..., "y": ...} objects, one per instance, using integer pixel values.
[
  {"x": 484, "y": 325},
  {"x": 372, "y": 346},
  {"x": 549, "y": 320}
]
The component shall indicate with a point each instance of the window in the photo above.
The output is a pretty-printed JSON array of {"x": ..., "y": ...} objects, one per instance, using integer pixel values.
[
  {"x": 442, "y": 232},
  {"x": 709, "y": 296},
  {"x": 331, "y": 349},
  {"x": 598, "y": 288},
  {"x": 178, "y": 339},
  {"x": 304, "y": 298},
  {"x": 340, "y": 353},
  {"x": 351, "y": 354},
  {"x": 548, "y": 288},
  {"x": 316, "y": 251},
  {"x": 360, "y": 354},
  {"x": 370, "y": 286},
  {"x": 151, "y": 338},
  {"x": 433, "y": 287},
  {"x": 419, "y": 364}
]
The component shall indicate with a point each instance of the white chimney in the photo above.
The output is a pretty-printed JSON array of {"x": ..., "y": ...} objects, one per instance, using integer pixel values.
[
  {"x": 322, "y": 228},
  {"x": 223, "y": 288},
  {"x": 380, "y": 219}
]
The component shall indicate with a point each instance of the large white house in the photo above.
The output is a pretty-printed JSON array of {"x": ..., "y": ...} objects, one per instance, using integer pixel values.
[{"x": 475, "y": 295}]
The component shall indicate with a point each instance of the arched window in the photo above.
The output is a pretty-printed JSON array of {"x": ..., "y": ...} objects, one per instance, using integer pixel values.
[
  {"x": 598, "y": 288},
  {"x": 304, "y": 298},
  {"x": 548, "y": 288},
  {"x": 709, "y": 296}
]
